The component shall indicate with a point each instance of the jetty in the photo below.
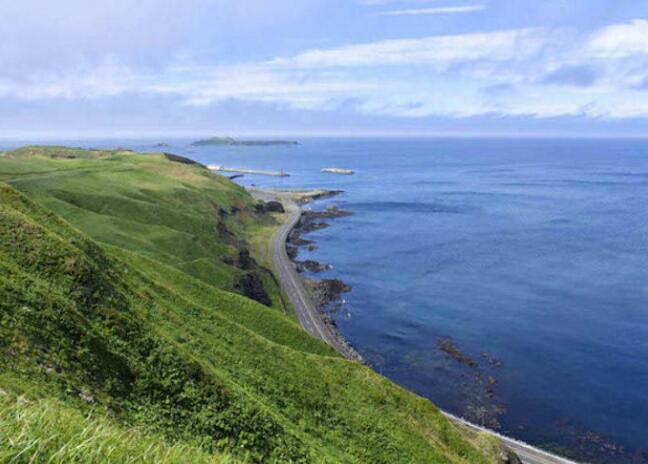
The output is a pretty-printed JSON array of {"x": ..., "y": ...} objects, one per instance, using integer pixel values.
[
  {"x": 338, "y": 171},
  {"x": 217, "y": 167}
]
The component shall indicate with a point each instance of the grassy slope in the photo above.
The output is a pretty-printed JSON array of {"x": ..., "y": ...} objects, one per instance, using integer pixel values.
[
  {"x": 51, "y": 431},
  {"x": 168, "y": 211},
  {"x": 141, "y": 336}
]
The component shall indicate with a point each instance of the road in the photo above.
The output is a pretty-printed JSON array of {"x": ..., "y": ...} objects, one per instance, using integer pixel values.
[
  {"x": 528, "y": 454},
  {"x": 311, "y": 320},
  {"x": 307, "y": 312}
]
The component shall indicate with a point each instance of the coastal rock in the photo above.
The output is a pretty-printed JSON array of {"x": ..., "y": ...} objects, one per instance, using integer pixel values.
[
  {"x": 269, "y": 207},
  {"x": 294, "y": 238},
  {"x": 292, "y": 251},
  {"x": 329, "y": 213},
  {"x": 306, "y": 224},
  {"x": 448, "y": 347},
  {"x": 326, "y": 291},
  {"x": 311, "y": 266}
]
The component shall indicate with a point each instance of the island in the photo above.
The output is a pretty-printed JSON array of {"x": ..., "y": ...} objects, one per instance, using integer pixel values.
[{"x": 236, "y": 142}]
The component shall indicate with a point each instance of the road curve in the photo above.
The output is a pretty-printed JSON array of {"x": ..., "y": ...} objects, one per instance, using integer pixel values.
[
  {"x": 310, "y": 318},
  {"x": 307, "y": 312}
]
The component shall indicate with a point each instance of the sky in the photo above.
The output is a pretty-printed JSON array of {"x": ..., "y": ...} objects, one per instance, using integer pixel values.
[{"x": 324, "y": 67}]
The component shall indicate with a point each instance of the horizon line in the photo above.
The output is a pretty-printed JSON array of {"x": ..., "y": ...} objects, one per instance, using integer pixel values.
[{"x": 20, "y": 136}]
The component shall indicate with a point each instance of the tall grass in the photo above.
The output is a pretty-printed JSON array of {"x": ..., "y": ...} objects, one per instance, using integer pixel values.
[{"x": 48, "y": 431}]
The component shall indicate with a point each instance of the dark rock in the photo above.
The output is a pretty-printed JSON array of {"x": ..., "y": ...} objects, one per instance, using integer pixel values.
[
  {"x": 242, "y": 261},
  {"x": 306, "y": 225},
  {"x": 225, "y": 234},
  {"x": 330, "y": 213},
  {"x": 291, "y": 251},
  {"x": 311, "y": 266},
  {"x": 294, "y": 237},
  {"x": 327, "y": 291},
  {"x": 448, "y": 347},
  {"x": 251, "y": 286},
  {"x": 270, "y": 207}
]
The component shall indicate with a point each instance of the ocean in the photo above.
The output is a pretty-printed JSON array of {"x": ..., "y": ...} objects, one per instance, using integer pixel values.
[{"x": 503, "y": 279}]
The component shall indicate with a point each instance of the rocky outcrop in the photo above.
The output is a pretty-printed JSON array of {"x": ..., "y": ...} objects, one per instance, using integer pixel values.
[
  {"x": 243, "y": 261},
  {"x": 311, "y": 266},
  {"x": 326, "y": 291},
  {"x": 269, "y": 207},
  {"x": 329, "y": 213},
  {"x": 250, "y": 285},
  {"x": 294, "y": 238},
  {"x": 448, "y": 347}
]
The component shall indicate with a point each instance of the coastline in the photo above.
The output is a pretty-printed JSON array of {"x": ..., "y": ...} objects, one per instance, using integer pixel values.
[
  {"x": 306, "y": 309},
  {"x": 292, "y": 201}
]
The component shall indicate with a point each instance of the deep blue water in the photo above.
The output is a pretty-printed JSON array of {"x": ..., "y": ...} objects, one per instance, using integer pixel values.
[{"x": 531, "y": 255}]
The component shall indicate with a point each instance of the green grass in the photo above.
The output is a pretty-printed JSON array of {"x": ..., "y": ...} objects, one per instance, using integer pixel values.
[
  {"x": 112, "y": 337},
  {"x": 50, "y": 431},
  {"x": 164, "y": 210}
]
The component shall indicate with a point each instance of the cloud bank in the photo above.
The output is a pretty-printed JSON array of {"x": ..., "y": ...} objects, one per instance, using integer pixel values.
[{"x": 533, "y": 72}]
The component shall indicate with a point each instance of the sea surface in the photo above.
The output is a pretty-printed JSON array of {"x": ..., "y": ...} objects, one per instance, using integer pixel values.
[{"x": 504, "y": 279}]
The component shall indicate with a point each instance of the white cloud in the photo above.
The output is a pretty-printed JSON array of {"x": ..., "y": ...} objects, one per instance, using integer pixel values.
[
  {"x": 429, "y": 76},
  {"x": 620, "y": 40},
  {"x": 433, "y": 11},
  {"x": 505, "y": 45}
]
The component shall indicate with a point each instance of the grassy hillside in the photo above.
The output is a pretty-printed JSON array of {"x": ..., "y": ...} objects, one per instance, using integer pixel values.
[
  {"x": 178, "y": 214},
  {"x": 117, "y": 323}
]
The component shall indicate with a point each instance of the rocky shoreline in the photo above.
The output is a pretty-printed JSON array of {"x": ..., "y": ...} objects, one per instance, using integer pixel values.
[
  {"x": 327, "y": 293},
  {"x": 481, "y": 404}
]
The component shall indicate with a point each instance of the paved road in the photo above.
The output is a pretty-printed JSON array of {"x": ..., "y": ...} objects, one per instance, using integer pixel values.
[
  {"x": 310, "y": 319},
  {"x": 527, "y": 453},
  {"x": 307, "y": 312}
]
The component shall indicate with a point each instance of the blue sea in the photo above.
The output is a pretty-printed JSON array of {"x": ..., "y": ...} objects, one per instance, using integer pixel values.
[{"x": 527, "y": 257}]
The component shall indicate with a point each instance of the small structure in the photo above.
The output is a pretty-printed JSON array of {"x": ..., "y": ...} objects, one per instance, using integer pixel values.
[
  {"x": 338, "y": 171},
  {"x": 218, "y": 167}
]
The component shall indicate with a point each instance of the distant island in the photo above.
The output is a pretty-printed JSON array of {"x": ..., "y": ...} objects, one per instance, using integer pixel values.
[{"x": 236, "y": 142}]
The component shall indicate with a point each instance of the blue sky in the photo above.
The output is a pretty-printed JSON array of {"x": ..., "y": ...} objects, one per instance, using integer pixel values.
[{"x": 351, "y": 67}]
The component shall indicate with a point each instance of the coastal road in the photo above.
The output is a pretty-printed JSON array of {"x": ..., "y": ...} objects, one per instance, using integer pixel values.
[
  {"x": 307, "y": 312},
  {"x": 310, "y": 318},
  {"x": 528, "y": 454}
]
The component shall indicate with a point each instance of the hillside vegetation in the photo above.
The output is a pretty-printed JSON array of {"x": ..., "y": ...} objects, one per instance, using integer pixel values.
[{"x": 122, "y": 338}]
